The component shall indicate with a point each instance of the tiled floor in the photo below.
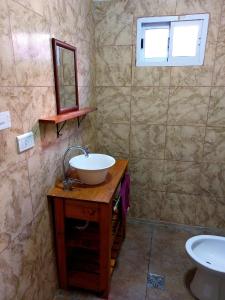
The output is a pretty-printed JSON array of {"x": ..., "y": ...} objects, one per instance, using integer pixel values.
[{"x": 151, "y": 248}]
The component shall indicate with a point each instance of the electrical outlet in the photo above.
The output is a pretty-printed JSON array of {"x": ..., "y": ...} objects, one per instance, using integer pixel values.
[
  {"x": 5, "y": 120},
  {"x": 25, "y": 141}
]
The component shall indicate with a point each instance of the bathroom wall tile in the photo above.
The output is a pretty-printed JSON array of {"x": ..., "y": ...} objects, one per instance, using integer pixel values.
[
  {"x": 219, "y": 70},
  {"x": 4, "y": 242},
  {"x": 15, "y": 207},
  {"x": 7, "y": 75},
  {"x": 214, "y": 144},
  {"x": 149, "y": 105},
  {"x": 210, "y": 212},
  {"x": 113, "y": 66},
  {"x": 188, "y": 106},
  {"x": 149, "y": 76},
  {"x": 152, "y": 8},
  {"x": 114, "y": 138},
  {"x": 36, "y": 102},
  {"x": 31, "y": 44},
  {"x": 196, "y": 75},
  {"x": 44, "y": 168},
  {"x": 62, "y": 17},
  {"x": 21, "y": 264},
  {"x": 184, "y": 143},
  {"x": 85, "y": 63},
  {"x": 217, "y": 107},
  {"x": 139, "y": 195},
  {"x": 179, "y": 208},
  {"x": 114, "y": 27},
  {"x": 150, "y": 207},
  {"x": 212, "y": 181},
  {"x": 221, "y": 35},
  {"x": 182, "y": 177},
  {"x": 86, "y": 96},
  {"x": 147, "y": 173},
  {"x": 213, "y": 8},
  {"x": 147, "y": 141},
  {"x": 113, "y": 103},
  {"x": 9, "y": 101},
  {"x": 37, "y": 6}
]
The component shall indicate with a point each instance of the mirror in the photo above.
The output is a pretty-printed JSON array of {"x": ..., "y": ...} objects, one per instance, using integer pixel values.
[{"x": 65, "y": 72}]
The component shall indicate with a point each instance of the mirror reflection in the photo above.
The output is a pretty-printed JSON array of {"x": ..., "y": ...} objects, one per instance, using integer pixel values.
[{"x": 64, "y": 56}]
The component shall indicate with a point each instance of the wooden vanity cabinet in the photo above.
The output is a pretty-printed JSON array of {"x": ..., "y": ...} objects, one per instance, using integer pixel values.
[{"x": 86, "y": 257}]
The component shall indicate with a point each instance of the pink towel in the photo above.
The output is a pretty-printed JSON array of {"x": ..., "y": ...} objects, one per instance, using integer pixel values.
[{"x": 125, "y": 194}]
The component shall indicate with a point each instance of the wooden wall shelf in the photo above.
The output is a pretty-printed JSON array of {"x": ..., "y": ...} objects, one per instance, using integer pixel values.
[{"x": 56, "y": 119}]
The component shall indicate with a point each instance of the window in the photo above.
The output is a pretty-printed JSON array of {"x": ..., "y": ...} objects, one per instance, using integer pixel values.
[{"x": 172, "y": 40}]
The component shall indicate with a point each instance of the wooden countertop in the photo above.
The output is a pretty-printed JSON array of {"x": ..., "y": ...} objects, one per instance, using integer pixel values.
[{"x": 98, "y": 193}]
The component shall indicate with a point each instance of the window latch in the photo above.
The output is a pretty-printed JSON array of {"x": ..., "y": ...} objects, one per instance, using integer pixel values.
[{"x": 142, "y": 43}]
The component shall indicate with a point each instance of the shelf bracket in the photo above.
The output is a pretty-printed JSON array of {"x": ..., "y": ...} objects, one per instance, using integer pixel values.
[
  {"x": 59, "y": 128},
  {"x": 80, "y": 119}
]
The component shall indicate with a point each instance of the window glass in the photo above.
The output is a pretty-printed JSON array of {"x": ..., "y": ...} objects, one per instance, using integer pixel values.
[
  {"x": 185, "y": 39},
  {"x": 156, "y": 42}
]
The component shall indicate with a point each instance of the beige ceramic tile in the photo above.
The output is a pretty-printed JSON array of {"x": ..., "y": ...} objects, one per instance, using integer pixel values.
[
  {"x": 113, "y": 138},
  {"x": 221, "y": 36},
  {"x": 44, "y": 169},
  {"x": 147, "y": 173},
  {"x": 152, "y": 8},
  {"x": 37, "y": 6},
  {"x": 182, "y": 177},
  {"x": 7, "y": 74},
  {"x": 86, "y": 96},
  {"x": 207, "y": 6},
  {"x": 214, "y": 144},
  {"x": 113, "y": 66},
  {"x": 149, "y": 76},
  {"x": 217, "y": 107},
  {"x": 15, "y": 207},
  {"x": 147, "y": 141},
  {"x": 188, "y": 106},
  {"x": 212, "y": 181},
  {"x": 62, "y": 17},
  {"x": 31, "y": 44},
  {"x": 149, "y": 105},
  {"x": 219, "y": 70},
  {"x": 210, "y": 212},
  {"x": 184, "y": 143},
  {"x": 113, "y": 103},
  {"x": 150, "y": 206},
  {"x": 85, "y": 64},
  {"x": 9, "y": 101},
  {"x": 196, "y": 75},
  {"x": 114, "y": 27},
  {"x": 21, "y": 259},
  {"x": 179, "y": 208}
]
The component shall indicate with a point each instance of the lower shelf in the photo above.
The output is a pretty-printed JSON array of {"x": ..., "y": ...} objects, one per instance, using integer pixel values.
[{"x": 84, "y": 280}]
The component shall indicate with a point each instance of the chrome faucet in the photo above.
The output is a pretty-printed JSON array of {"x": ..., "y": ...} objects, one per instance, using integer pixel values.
[{"x": 68, "y": 182}]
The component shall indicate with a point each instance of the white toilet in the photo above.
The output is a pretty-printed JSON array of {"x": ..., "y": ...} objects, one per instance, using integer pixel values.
[{"x": 208, "y": 252}]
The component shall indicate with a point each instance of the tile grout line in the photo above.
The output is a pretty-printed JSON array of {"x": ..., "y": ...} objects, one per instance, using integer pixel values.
[{"x": 210, "y": 93}]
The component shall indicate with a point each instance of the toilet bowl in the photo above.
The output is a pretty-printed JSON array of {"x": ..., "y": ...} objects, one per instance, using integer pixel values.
[{"x": 208, "y": 253}]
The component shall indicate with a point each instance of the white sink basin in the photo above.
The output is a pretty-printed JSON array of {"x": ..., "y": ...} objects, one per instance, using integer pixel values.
[{"x": 92, "y": 169}]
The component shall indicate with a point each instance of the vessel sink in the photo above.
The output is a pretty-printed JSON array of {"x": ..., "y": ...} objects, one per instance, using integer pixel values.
[{"x": 92, "y": 169}]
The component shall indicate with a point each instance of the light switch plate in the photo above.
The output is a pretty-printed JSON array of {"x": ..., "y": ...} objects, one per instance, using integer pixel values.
[
  {"x": 25, "y": 141},
  {"x": 5, "y": 120}
]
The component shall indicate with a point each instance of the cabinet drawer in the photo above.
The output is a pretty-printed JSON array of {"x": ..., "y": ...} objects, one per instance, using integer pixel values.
[{"x": 83, "y": 211}]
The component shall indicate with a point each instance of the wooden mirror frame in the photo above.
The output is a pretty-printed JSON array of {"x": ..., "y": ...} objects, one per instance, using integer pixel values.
[{"x": 60, "y": 109}]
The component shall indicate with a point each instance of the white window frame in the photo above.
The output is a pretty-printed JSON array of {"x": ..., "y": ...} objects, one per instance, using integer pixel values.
[{"x": 171, "y": 21}]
